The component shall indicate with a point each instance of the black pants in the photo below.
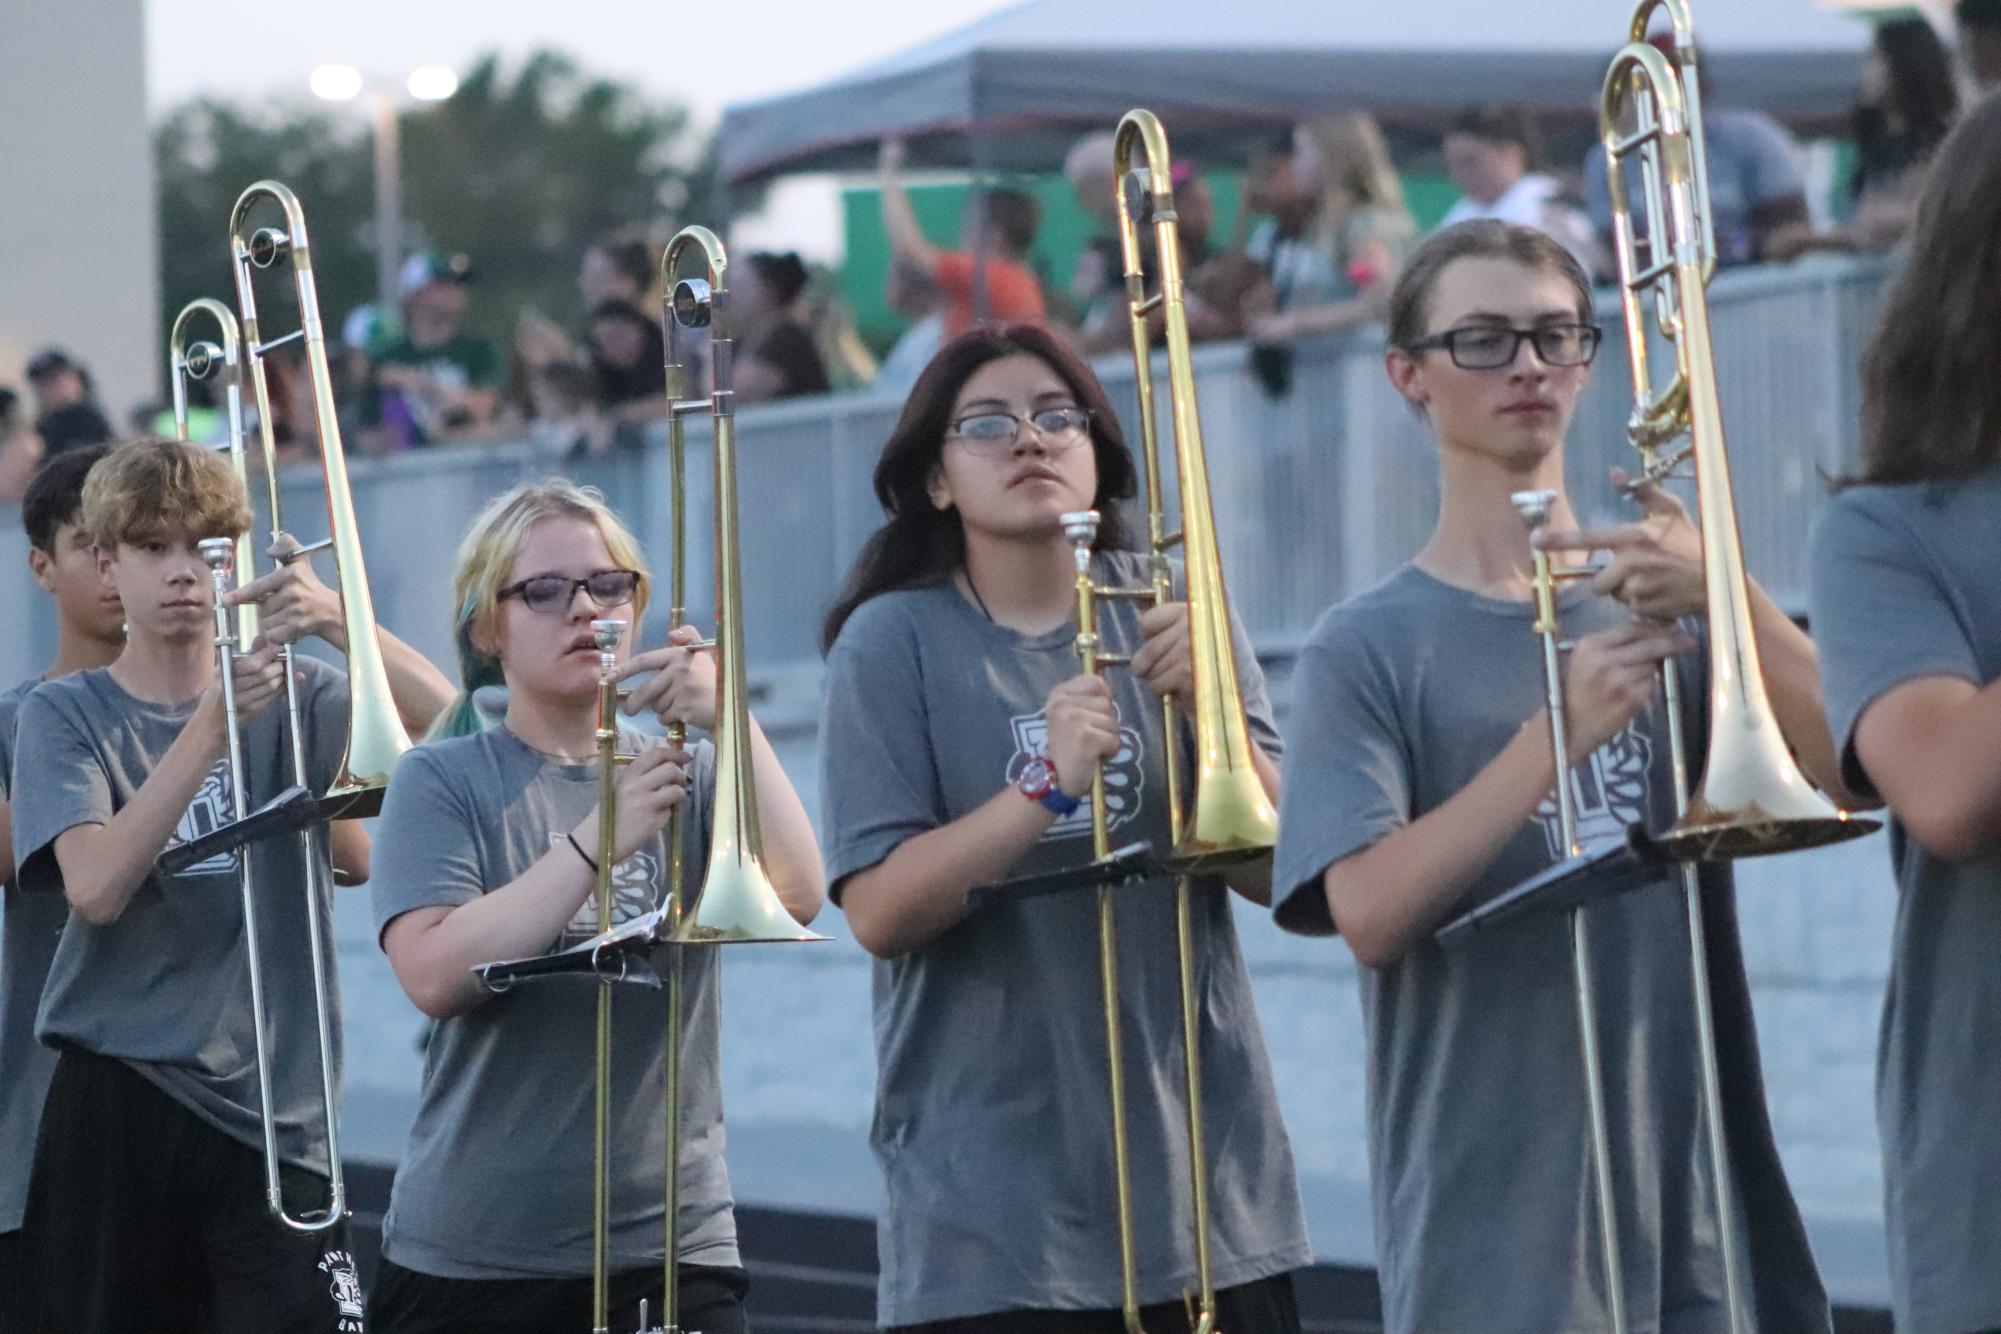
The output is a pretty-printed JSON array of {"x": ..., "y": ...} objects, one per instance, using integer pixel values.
[
  {"x": 402, "y": 1301},
  {"x": 13, "y": 1315},
  {"x": 143, "y": 1216},
  {"x": 1266, "y": 1306}
]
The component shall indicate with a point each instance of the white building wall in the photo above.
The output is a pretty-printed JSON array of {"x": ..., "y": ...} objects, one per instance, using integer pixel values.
[{"x": 79, "y": 243}]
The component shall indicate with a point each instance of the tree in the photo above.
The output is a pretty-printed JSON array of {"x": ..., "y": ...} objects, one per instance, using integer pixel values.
[{"x": 519, "y": 171}]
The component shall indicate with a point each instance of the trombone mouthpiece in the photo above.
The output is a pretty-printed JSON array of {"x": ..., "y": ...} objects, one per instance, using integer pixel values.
[
  {"x": 1533, "y": 506},
  {"x": 1081, "y": 527},
  {"x": 607, "y": 633},
  {"x": 219, "y": 552}
]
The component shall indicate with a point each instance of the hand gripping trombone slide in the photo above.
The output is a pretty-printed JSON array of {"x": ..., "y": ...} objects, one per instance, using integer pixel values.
[
  {"x": 1228, "y": 818},
  {"x": 1753, "y": 800},
  {"x": 736, "y": 903}
]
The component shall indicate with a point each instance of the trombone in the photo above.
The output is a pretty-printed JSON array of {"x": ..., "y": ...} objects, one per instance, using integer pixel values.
[
  {"x": 736, "y": 903},
  {"x": 375, "y": 738},
  {"x": 1230, "y": 819},
  {"x": 197, "y": 360},
  {"x": 1753, "y": 799},
  {"x": 375, "y": 734}
]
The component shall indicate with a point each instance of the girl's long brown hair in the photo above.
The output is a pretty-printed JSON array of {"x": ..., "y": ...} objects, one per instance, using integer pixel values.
[{"x": 1931, "y": 377}]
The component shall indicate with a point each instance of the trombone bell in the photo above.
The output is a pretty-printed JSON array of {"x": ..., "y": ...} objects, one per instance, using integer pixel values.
[{"x": 738, "y": 906}]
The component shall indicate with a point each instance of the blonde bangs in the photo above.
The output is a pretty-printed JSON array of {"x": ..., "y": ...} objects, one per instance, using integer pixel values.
[{"x": 486, "y": 556}]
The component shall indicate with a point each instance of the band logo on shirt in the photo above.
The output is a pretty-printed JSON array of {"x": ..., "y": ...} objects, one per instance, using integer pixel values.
[
  {"x": 1610, "y": 792},
  {"x": 635, "y": 891},
  {"x": 1124, "y": 774},
  {"x": 209, "y": 811},
  {"x": 344, "y": 1287}
]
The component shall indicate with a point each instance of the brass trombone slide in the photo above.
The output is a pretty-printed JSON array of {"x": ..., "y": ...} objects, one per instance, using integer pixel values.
[{"x": 1227, "y": 818}]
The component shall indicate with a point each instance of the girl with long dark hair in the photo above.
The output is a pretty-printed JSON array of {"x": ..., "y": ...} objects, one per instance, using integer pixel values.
[
  {"x": 1906, "y": 605},
  {"x": 957, "y": 750}
]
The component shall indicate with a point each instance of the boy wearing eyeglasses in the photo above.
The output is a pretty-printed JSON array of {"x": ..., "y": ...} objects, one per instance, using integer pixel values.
[
  {"x": 1418, "y": 783},
  {"x": 147, "y": 1193}
]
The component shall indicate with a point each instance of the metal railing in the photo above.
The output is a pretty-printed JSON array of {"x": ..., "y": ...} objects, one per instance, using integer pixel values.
[{"x": 1318, "y": 494}]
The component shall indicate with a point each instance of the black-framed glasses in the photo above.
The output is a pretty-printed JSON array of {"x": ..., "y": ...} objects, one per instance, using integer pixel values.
[
  {"x": 997, "y": 432},
  {"x": 555, "y": 592},
  {"x": 1490, "y": 347}
]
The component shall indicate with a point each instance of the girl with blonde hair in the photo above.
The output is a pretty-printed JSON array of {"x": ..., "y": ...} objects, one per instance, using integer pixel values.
[
  {"x": 1340, "y": 233},
  {"x": 486, "y": 851}
]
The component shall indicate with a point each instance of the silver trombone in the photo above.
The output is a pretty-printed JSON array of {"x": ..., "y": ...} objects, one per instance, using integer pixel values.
[
  {"x": 220, "y": 555},
  {"x": 198, "y": 360}
]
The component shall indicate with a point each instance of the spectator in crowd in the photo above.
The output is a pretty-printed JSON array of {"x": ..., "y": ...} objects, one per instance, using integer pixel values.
[
  {"x": 1338, "y": 233},
  {"x": 20, "y": 448},
  {"x": 621, "y": 267},
  {"x": 1757, "y": 182},
  {"x": 1980, "y": 40},
  {"x": 1097, "y": 276},
  {"x": 436, "y": 382},
  {"x": 776, "y": 353},
  {"x": 1213, "y": 290},
  {"x": 627, "y": 353},
  {"x": 917, "y": 299},
  {"x": 1492, "y": 155},
  {"x": 993, "y": 262},
  {"x": 66, "y": 411},
  {"x": 1908, "y": 101}
]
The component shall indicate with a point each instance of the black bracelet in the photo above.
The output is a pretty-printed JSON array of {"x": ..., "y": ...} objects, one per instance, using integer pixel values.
[{"x": 588, "y": 861}]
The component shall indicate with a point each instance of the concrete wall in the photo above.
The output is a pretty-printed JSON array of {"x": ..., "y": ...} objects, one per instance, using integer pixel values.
[{"x": 79, "y": 263}]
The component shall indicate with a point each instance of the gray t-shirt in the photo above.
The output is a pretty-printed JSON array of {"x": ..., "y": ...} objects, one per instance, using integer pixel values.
[
  {"x": 497, "y": 1179},
  {"x": 33, "y": 924},
  {"x": 1907, "y": 584},
  {"x": 166, "y": 987},
  {"x": 1476, "y": 1102},
  {"x": 992, "y": 1118}
]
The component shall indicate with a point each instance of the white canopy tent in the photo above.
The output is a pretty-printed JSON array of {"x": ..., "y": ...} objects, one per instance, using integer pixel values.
[{"x": 1011, "y": 90}]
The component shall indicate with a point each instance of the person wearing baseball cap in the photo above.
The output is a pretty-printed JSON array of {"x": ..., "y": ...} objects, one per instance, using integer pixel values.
[
  {"x": 436, "y": 381},
  {"x": 66, "y": 411}
]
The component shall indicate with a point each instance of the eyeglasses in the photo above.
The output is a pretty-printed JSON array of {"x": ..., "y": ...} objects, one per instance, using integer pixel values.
[
  {"x": 997, "y": 432},
  {"x": 547, "y": 593},
  {"x": 1490, "y": 347}
]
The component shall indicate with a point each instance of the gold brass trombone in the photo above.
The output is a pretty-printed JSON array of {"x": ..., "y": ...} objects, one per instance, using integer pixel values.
[
  {"x": 736, "y": 904},
  {"x": 1753, "y": 801},
  {"x": 376, "y": 738},
  {"x": 198, "y": 360},
  {"x": 1228, "y": 818}
]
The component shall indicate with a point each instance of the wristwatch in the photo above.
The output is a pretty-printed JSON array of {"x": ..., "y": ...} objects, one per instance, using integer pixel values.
[{"x": 1038, "y": 783}]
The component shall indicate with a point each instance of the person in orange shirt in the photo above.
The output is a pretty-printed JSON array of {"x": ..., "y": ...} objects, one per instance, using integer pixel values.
[{"x": 994, "y": 253}]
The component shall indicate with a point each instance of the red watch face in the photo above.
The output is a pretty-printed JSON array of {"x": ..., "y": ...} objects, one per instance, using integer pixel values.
[{"x": 1038, "y": 779}]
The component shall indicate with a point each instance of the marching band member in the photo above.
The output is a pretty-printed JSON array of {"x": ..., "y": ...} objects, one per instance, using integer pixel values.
[
  {"x": 486, "y": 852},
  {"x": 1907, "y": 607},
  {"x": 147, "y": 1192},
  {"x": 957, "y": 745},
  {"x": 90, "y": 632},
  {"x": 1419, "y": 782}
]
